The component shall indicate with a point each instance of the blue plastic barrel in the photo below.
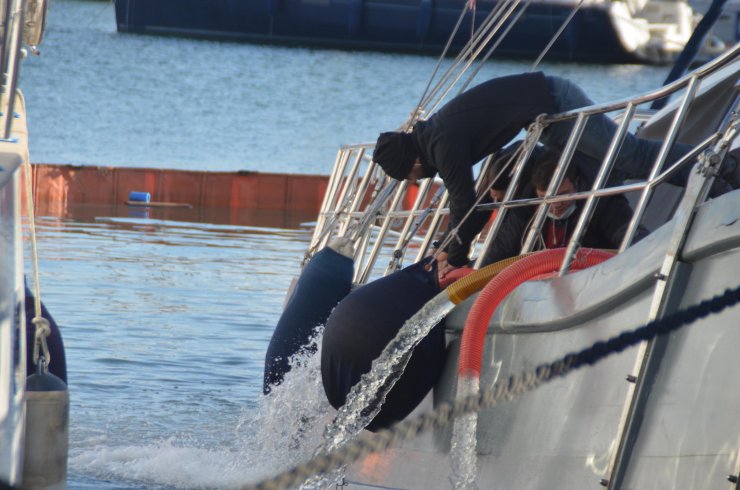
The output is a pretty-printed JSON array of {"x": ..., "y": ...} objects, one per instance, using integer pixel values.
[{"x": 138, "y": 196}]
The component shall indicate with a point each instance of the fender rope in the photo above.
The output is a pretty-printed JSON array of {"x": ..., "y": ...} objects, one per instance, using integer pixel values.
[
  {"x": 510, "y": 389},
  {"x": 42, "y": 331}
]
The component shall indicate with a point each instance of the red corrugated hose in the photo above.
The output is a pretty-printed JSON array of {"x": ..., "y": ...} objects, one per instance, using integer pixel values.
[{"x": 538, "y": 264}]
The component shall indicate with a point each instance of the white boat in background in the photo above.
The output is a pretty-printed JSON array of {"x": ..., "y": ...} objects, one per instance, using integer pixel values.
[
  {"x": 726, "y": 29},
  {"x": 601, "y": 31}
]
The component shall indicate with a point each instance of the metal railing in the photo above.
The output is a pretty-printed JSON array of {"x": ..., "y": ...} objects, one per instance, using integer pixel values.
[
  {"x": 23, "y": 23},
  {"x": 382, "y": 221}
]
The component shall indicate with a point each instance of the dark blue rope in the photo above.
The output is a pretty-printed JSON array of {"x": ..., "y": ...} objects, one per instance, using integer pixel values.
[
  {"x": 662, "y": 326},
  {"x": 588, "y": 356}
]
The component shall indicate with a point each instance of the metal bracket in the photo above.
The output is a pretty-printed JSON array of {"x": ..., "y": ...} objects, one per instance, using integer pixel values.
[{"x": 709, "y": 162}]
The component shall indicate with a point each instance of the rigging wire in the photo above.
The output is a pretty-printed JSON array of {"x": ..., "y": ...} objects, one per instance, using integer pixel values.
[
  {"x": 490, "y": 27},
  {"x": 557, "y": 35},
  {"x": 495, "y": 45},
  {"x": 470, "y": 51},
  {"x": 417, "y": 110}
]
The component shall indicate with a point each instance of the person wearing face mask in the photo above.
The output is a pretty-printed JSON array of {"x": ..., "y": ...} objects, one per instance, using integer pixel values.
[
  {"x": 606, "y": 229},
  {"x": 610, "y": 219},
  {"x": 509, "y": 237},
  {"x": 481, "y": 120}
]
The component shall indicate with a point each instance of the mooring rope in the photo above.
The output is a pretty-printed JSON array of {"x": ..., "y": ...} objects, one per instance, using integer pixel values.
[
  {"x": 514, "y": 386},
  {"x": 43, "y": 329}
]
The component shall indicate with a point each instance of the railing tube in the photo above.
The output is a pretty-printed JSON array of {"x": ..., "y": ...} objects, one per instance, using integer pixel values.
[
  {"x": 359, "y": 195},
  {"x": 382, "y": 233},
  {"x": 599, "y": 182},
  {"x": 678, "y": 119},
  {"x": 14, "y": 66},
  {"x": 557, "y": 178}
]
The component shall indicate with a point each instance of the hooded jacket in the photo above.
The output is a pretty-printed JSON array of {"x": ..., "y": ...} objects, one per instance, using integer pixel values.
[{"x": 467, "y": 129}]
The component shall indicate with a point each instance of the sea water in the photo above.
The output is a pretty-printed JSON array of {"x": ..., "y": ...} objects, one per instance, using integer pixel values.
[
  {"x": 97, "y": 97},
  {"x": 166, "y": 322},
  {"x": 165, "y": 326}
]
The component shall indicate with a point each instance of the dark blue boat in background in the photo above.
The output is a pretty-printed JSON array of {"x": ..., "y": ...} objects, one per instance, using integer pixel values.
[{"x": 604, "y": 31}]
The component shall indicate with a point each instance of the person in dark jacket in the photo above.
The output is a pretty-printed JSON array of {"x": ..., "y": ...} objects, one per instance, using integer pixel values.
[
  {"x": 508, "y": 241},
  {"x": 606, "y": 229},
  {"x": 480, "y": 121}
]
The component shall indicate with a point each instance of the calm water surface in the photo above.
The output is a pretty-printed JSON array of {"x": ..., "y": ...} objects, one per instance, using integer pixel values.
[
  {"x": 165, "y": 320},
  {"x": 165, "y": 325},
  {"x": 96, "y": 97}
]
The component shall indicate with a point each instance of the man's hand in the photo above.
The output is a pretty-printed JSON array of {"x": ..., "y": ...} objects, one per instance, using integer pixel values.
[
  {"x": 443, "y": 267},
  {"x": 441, "y": 259},
  {"x": 443, "y": 271}
]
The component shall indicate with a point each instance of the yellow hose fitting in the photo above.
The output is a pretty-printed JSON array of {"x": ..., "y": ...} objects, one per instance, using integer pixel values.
[{"x": 462, "y": 289}]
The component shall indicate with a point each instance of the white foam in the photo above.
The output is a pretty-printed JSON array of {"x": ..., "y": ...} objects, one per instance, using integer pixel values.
[{"x": 283, "y": 430}]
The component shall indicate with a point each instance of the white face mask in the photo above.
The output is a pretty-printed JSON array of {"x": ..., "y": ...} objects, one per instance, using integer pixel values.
[{"x": 568, "y": 212}]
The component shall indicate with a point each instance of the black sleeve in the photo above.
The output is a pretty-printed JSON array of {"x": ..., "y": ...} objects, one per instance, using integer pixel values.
[
  {"x": 457, "y": 174},
  {"x": 612, "y": 217},
  {"x": 508, "y": 241}
]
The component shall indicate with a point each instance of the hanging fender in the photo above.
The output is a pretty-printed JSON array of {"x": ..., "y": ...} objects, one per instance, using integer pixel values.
[
  {"x": 47, "y": 432},
  {"x": 324, "y": 281}
]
